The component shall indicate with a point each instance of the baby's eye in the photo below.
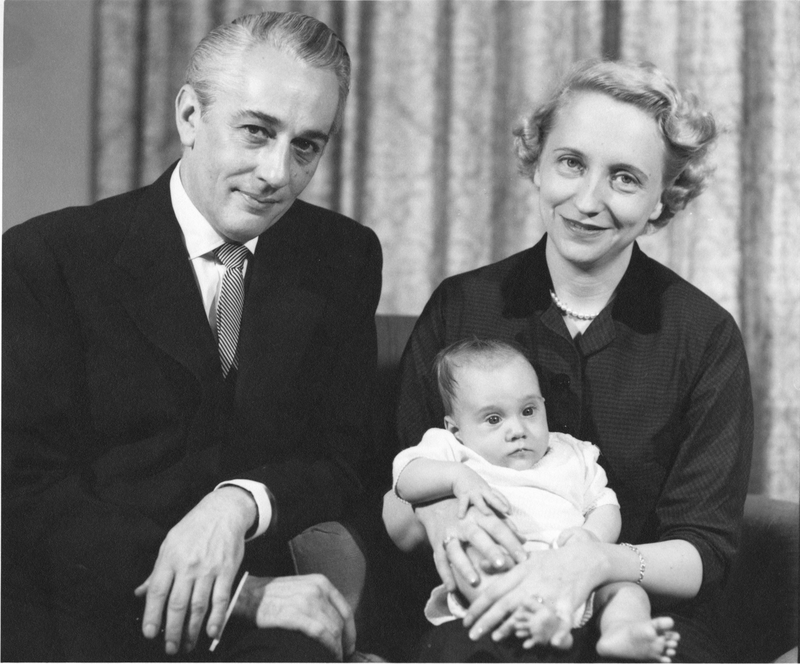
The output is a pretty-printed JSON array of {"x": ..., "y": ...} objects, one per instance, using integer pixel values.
[
  {"x": 528, "y": 411},
  {"x": 493, "y": 419}
]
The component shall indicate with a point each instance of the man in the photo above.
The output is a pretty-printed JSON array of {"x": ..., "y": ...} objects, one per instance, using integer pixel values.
[{"x": 140, "y": 452}]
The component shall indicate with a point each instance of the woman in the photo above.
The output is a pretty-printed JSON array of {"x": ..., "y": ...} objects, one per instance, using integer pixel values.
[{"x": 630, "y": 357}]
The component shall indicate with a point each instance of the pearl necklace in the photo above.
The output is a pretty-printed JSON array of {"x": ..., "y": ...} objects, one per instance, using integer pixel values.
[{"x": 569, "y": 312}]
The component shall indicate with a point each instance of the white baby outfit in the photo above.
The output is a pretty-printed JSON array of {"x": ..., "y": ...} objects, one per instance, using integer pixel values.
[{"x": 556, "y": 493}]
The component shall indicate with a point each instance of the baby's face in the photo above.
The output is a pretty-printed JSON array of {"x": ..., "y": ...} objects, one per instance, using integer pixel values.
[{"x": 499, "y": 413}]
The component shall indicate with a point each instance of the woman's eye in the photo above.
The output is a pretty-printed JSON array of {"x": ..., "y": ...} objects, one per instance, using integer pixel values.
[
  {"x": 626, "y": 180},
  {"x": 571, "y": 163}
]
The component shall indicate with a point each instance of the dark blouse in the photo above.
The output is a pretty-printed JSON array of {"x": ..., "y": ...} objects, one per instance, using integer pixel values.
[{"x": 659, "y": 382}]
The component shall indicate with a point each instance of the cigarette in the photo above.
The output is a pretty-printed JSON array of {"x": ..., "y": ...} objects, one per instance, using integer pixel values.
[{"x": 229, "y": 611}]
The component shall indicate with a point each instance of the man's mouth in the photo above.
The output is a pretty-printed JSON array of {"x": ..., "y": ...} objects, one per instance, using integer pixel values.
[{"x": 258, "y": 201}]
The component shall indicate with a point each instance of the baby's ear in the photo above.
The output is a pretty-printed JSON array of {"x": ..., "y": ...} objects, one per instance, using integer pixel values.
[{"x": 450, "y": 425}]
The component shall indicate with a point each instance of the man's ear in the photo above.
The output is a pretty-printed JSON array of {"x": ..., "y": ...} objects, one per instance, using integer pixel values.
[
  {"x": 187, "y": 115},
  {"x": 450, "y": 425}
]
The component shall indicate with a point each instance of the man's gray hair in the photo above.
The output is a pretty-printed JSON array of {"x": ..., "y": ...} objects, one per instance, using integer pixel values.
[{"x": 301, "y": 36}]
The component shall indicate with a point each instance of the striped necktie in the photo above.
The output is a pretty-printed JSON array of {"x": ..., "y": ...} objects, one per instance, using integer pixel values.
[{"x": 229, "y": 305}]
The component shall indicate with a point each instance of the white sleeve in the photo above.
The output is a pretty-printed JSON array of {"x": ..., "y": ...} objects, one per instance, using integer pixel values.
[
  {"x": 260, "y": 494},
  {"x": 596, "y": 490},
  {"x": 436, "y": 444}
]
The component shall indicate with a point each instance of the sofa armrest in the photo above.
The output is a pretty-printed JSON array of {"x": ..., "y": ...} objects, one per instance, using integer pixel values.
[
  {"x": 758, "y": 621},
  {"x": 331, "y": 549}
]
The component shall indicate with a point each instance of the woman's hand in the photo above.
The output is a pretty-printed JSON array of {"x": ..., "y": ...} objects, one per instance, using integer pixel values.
[
  {"x": 494, "y": 538},
  {"x": 562, "y": 579}
]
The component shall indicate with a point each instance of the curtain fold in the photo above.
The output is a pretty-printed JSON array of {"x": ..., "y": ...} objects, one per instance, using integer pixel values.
[{"x": 425, "y": 155}]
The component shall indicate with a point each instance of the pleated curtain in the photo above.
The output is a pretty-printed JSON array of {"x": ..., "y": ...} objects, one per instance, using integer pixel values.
[{"x": 425, "y": 155}]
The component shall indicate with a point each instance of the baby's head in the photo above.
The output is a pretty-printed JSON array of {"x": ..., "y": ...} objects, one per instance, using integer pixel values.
[{"x": 492, "y": 401}]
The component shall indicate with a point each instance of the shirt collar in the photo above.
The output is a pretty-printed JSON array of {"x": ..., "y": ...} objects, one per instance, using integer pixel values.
[{"x": 199, "y": 236}]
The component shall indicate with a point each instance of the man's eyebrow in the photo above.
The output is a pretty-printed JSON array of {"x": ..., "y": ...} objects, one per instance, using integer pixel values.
[
  {"x": 271, "y": 120},
  {"x": 264, "y": 117}
]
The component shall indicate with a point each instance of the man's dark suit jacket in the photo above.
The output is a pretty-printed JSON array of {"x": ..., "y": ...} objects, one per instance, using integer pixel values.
[{"x": 116, "y": 419}]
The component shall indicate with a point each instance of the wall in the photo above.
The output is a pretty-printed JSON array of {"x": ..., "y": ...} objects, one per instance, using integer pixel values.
[{"x": 47, "y": 95}]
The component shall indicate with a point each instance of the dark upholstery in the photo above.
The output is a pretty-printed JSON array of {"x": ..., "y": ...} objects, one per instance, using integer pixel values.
[{"x": 759, "y": 618}]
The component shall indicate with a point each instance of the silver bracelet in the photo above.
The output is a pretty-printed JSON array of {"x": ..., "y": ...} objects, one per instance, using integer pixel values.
[{"x": 642, "y": 565}]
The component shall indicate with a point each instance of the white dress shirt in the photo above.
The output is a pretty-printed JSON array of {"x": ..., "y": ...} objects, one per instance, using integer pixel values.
[{"x": 201, "y": 239}]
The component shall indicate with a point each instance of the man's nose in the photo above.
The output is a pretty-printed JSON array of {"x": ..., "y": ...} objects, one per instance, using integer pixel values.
[{"x": 274, "y": 164}]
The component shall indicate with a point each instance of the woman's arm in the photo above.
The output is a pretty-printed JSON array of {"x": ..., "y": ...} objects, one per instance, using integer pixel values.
[
  {"x": 493, "y": 537},
  {"x": 402, "y": 525},
  {"x": 564, "y": 579}
]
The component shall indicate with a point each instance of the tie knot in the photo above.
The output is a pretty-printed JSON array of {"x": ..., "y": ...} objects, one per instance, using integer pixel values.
[{"x": 232, "y": 255}]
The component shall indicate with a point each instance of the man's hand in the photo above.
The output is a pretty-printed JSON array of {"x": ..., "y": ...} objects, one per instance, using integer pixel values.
[
  {"x": 196, "y": 565},
  {"x": 309, "y": 604},
  {"x": 492, "y": 537}
]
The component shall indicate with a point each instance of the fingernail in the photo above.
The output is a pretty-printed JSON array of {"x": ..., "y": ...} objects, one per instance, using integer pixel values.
[
  {"x": 474, "y": 580},
  {"x": 476, "y": 633},
  {"x": 499, "y": 562},
  {"x": 150, "y": 631},
  {"x": 171, "y": 648},
  {"x": 496, "y": 636}
]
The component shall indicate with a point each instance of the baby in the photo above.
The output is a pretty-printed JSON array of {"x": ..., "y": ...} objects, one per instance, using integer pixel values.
[{"x": 496, "y": 453}]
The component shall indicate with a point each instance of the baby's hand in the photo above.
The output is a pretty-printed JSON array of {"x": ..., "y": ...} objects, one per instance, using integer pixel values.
[
  {"x": 575, "y": 536},
  {"x": 471, "y": 489}
]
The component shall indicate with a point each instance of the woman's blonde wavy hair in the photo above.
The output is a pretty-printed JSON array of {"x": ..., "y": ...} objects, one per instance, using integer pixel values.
[{"x": 688, "y": 130}]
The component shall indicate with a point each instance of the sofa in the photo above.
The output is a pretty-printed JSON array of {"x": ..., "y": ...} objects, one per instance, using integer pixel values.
[{"x": 758, "y": 620}]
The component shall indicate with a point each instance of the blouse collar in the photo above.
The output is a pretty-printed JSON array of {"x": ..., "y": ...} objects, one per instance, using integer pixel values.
[{"x": 527, "y": 286}]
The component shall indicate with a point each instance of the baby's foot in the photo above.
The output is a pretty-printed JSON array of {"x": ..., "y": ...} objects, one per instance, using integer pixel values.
[{"x": 642, "y": 641}]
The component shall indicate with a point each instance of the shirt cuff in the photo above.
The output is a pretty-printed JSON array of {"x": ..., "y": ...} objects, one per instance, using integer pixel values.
[{"x": 261, "y": 495}]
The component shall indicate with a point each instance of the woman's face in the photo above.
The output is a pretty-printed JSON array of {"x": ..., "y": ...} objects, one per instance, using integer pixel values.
[{"x": 600, "y": 179}]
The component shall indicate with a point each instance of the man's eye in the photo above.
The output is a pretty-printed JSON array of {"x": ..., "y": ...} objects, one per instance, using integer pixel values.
[
  {"x": 307, "y": 147},
  {"x": 255, "y": 130}
]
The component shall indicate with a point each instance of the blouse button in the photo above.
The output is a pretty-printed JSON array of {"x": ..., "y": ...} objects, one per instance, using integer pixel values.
[{"x": 561, "y": 381}]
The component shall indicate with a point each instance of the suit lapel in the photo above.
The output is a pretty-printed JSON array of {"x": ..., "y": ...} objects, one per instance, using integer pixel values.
[
  {"x": 282, "y": 307},
  {"x": 157, "y": 285}
]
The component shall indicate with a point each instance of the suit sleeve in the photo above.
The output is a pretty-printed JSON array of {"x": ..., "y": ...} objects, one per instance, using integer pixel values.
[
  {"x": 318, "y": 475},
  {"x": 54, "y": 525},
  {"x": 419, "y": 405}
]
